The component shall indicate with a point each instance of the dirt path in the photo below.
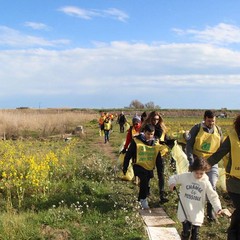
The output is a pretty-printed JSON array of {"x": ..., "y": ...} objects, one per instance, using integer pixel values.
[{"x": 106, "y": 148}]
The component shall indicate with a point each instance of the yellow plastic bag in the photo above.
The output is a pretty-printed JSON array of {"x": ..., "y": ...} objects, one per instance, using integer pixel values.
[
  {"x": 129, "y": 174},
  {"x": 222, "y": 179},
  {"x": 180, "y": 157},
  {"x": 126, "y": 126}
]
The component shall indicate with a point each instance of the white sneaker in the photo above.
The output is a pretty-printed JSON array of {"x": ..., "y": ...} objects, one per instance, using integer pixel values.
[{"x": 144, "y": 203}]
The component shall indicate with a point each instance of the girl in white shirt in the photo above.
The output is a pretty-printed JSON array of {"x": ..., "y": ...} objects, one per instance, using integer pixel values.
[{"x": 194, "y": 187}]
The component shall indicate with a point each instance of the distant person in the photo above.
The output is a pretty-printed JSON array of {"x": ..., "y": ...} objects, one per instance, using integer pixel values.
[
  {"x": 231, "y": 145},
  {"x": 203, "y": 140},
  {"x": 121, "y": 121},
  {"x": 195, "y": 186},
  {"x": 146, "y": 154},
  {"x": 107, "y": 128},
  {"x": 101, "y": 123}
]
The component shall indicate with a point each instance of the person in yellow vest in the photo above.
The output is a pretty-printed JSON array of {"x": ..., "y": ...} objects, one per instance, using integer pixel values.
[
  {"x": 146, "y": 154},
  {"x": 231, "y": 145},
  {"x": 203, "y": 140},
  {"x": 107, "y": 128},
  {"x": 161, "y": 137}
]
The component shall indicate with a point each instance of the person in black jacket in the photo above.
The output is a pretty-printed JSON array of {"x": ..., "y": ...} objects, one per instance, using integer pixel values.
[
  {"x": 145, "y": 154},
  {"x": 121, "y": 121},
  {"x": 160, "y": 135},
  {"x": 231, "y": 146}
]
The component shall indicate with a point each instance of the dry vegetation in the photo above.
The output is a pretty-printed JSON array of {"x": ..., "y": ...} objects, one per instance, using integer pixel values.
[
  {"x": 41, "y": 123},
  {"x": 35, "y": 123}
]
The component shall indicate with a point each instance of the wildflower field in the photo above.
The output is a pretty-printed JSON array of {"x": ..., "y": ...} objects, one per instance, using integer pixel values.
[{"x": 57, "y": 188}]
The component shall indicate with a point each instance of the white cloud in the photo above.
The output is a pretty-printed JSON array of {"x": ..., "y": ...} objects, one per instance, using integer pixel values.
[
  {"x": 116, "y": 13},
  {"x": 91, "y": 13},
  {"x": 220, "y": 34},
  {"x": 119, "y": 66},
  {"x": 14, "y": 38},
  {"x": 133, "y": 68},
  {"x": 36, "y": 25},
  {"x": 78, "y": 12}
]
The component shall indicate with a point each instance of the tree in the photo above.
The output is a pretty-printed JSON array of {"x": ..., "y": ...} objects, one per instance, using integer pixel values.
[
  {"x": 136, "y": 104},
  {"x": 150, "y": 105}
]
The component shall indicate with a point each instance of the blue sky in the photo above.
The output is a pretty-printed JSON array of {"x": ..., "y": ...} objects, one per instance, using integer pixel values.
[{"x": 107, "y": 53}]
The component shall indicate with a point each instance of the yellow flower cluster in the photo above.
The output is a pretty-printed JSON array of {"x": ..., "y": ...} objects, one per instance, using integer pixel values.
[{"x": 27, "y": 166}]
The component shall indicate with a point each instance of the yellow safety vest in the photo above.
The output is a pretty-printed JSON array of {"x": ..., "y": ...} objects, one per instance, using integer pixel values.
[
  {"x": 107, "y": 125},
  {"x": 235, "y": 154},
  {"x": 146, "y": 155},
  {"x": 206, "y": 143}
]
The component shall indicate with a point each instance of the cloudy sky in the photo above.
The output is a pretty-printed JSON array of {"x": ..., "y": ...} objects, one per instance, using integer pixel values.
[{"x": 107, "y": 53}]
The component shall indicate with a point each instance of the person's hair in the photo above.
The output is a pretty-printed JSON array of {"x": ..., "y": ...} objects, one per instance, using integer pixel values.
[
  {"x": 143, "y": 115},
  {"x": 199, "y": 164},
  {"x": 237, "y": 125},
  {"x": 149, "y": 128},
  {"x": 150, "y": 119},
  {"x": 209, "y": 114}
]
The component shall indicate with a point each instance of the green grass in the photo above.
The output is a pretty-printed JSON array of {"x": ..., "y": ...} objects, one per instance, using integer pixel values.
[{"x": 87, "y": 201}]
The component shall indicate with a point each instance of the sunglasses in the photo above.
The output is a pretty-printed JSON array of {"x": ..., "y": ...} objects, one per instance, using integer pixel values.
[{"x": 156, "y": 119}]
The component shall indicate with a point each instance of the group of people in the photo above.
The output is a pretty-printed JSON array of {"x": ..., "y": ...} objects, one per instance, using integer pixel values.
[{"x": 147, "y": 144}]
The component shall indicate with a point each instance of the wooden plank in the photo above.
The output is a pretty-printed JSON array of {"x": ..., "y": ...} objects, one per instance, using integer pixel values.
[
  {"x": 155, "y": 217},
  {"x": 163, "y": 233}
]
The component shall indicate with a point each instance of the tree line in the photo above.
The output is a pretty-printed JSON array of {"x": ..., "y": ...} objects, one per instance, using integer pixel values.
[{"x": 138, "y": 105}]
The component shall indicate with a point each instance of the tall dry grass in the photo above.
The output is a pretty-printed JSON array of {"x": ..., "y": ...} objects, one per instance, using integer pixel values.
[{"x": 40, "y": 122}]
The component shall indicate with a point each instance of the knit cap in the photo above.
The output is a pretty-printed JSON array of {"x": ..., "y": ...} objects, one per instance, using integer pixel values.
[{"x": 136, "y": 119}]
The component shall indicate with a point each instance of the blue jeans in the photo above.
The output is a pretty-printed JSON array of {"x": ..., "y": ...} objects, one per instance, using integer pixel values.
[
  {"x": 213, "y": 175},
  {"x": 106, "y": 135}
]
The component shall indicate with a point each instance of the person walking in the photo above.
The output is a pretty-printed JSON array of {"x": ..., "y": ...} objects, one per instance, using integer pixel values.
[
  {"x": 231, "y": 145},
  {"x": 161, "y": 137},
  {"x": 121, "y": 121},
  {"x": 133, "y": 131},
  {"x": 145, "y": 153},
  {"x": 203, "y": 140},
  {"x": 107, "y": 128},
  {"x": 194, "y": 187}
]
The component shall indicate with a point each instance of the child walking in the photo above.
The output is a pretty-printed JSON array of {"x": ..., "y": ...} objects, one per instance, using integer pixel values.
[
  {"x": 107, "y": 127},
  {"x": 145, "y": 155},
  {"x": 194, "y": 187}
]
